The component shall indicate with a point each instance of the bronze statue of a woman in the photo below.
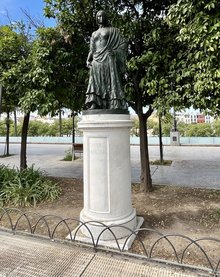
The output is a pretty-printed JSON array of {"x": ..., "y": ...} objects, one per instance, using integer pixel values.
[{"x": 107, "y": 61}]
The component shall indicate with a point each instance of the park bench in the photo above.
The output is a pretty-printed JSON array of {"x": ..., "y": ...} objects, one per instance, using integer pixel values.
[{"x": 77, "y": 149}]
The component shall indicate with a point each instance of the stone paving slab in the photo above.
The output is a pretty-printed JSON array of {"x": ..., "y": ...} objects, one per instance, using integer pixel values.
[
  {"x": 25, "y": 256},
  {"x": 195, "y": 174},
  {"x": 31, "y": 256},
  {"x": 110, "y": 266}
]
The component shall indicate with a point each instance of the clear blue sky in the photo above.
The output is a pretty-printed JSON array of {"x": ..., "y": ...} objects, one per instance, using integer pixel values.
[{"x": 13, "y": 8}]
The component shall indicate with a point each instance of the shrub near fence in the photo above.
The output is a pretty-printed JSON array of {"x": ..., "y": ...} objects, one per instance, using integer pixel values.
[{"x": 25, "y": 188}]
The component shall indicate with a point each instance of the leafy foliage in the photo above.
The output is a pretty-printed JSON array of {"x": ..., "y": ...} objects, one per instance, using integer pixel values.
[
  {"x": 150, "y": 40},
  {"x": 186, "y": 130},
  {"x": 6, "y": 173},
  {"x": 198, "y": 72},
  {"x": 199, "y": 130},
  {"x": 40, "y": 128},
  {"x": 37, "y": 79},
  {"x": 68, "y": 156},
  {"x": 216, "y": 126},
  {"x": 57, "y": 71},
  {"x": 26, "y": 187},
  {"x": 13, "y": 49},
  {"x": 46, "y": 78}
]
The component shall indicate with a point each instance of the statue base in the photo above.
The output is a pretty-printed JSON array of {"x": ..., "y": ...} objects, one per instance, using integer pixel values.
[
  {"x": 104, "y": 111},
  {"x": 107, "y": 178}
]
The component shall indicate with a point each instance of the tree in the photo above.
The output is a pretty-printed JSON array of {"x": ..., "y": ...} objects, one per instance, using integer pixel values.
[
  {"x": 13, "y": 49},
  {"x": 166, "y": 122},
  {"x": 151, "y": 48},
  {"x": 198, "y": 73},
  {"x": 17, "y": 85},
  {"x": 46, "y": 79},
  {"x": 216, "y": 127},
  {"x": 64, "y": 68},
  {"x": 181, "y": 126},
  {"x": 147, "y": 83},
  {"x": 199, "y": 130}
]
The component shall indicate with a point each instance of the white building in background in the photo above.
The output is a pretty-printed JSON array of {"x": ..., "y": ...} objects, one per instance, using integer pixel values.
[{"x": 193, "y": 116}]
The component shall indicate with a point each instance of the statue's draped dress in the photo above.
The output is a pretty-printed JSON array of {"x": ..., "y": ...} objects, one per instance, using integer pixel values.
[{"x": 105, "y": 88}]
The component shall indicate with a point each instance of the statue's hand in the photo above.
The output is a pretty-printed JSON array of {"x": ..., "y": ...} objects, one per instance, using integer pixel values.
[{"x": 88, "y": 64}]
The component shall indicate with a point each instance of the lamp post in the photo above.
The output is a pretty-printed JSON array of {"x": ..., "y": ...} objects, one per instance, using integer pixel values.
[{"x": 174, "y": 134}]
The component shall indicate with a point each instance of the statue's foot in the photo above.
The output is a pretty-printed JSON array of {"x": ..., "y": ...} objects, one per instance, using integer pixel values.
[{"x": 93, "y": 106}]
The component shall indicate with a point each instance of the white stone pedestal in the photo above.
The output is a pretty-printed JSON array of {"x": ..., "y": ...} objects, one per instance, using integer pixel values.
[{"x": 107, "y": 177}]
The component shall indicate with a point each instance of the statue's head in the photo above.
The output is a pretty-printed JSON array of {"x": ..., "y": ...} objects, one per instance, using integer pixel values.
[{"x": 101, "y": 18}]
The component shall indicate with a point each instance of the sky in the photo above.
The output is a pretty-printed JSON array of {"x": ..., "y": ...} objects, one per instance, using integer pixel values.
[{"x": 14, "y": 9}]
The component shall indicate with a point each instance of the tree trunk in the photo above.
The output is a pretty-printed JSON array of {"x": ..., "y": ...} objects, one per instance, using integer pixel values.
[
  {"x": 7, "y": 133},
  {"x": 160, "y": 140},
  {"x": 15, "y": 123},
  {"x": 73, "y": 127},
  {"x": 60, "y": 123},
  {"x": 24, "y": 132},
  {"x": 73, "y": 135},
  {"x": 146, "y": 181}
]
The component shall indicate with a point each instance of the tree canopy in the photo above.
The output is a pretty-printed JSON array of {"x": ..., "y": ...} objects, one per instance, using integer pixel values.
[
  {"x": 198, "y": 71},
  {"x": 142, "y": 24},
  {"x": 41, "y": 75},
  {"x": 173, "y": 58},
  {"x": 14, "y": 48}
]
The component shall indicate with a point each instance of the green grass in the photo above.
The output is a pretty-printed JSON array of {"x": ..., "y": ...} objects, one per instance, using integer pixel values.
[
  {"x": 157, "y": 162},
  {"x": 68, "y": 156}
]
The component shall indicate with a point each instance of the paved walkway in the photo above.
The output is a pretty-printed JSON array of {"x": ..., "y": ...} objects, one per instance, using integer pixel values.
[
  {"x": 191, "y": 167},
  {"x": 24, "y": 256}
]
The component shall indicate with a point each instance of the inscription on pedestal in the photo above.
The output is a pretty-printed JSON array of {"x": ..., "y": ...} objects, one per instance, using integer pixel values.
[{"x": 98, "y": 172}]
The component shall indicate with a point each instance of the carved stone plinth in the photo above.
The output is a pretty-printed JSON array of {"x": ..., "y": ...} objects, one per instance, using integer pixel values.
[{"x": 107, "y": 176}]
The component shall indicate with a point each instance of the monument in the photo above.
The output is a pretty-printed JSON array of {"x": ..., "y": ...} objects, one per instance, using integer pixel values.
[
  {"x": 106, "y": 143},
  {"x": 174, "y": 133}
]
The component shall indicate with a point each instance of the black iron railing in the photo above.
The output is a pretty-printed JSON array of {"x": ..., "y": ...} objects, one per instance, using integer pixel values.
[{"x": 181, "y": 250}]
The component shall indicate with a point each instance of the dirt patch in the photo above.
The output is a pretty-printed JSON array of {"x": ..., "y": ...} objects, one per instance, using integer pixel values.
[{"x": 194, "y": 213}]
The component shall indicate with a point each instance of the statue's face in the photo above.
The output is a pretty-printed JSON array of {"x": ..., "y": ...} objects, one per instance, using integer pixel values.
[{"x": 101, "y": 17}]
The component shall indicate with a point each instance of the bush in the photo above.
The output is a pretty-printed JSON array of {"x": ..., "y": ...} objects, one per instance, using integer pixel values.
[
  {"x": 25, "y": 188},
  {"x": 199, "y": 130},
  {"x": 6, "y": 174},
  {"x": 68, "y": 156}
]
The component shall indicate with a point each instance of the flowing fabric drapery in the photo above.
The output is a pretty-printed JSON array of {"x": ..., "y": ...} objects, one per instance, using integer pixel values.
[{"x": 105, "y": 88}]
